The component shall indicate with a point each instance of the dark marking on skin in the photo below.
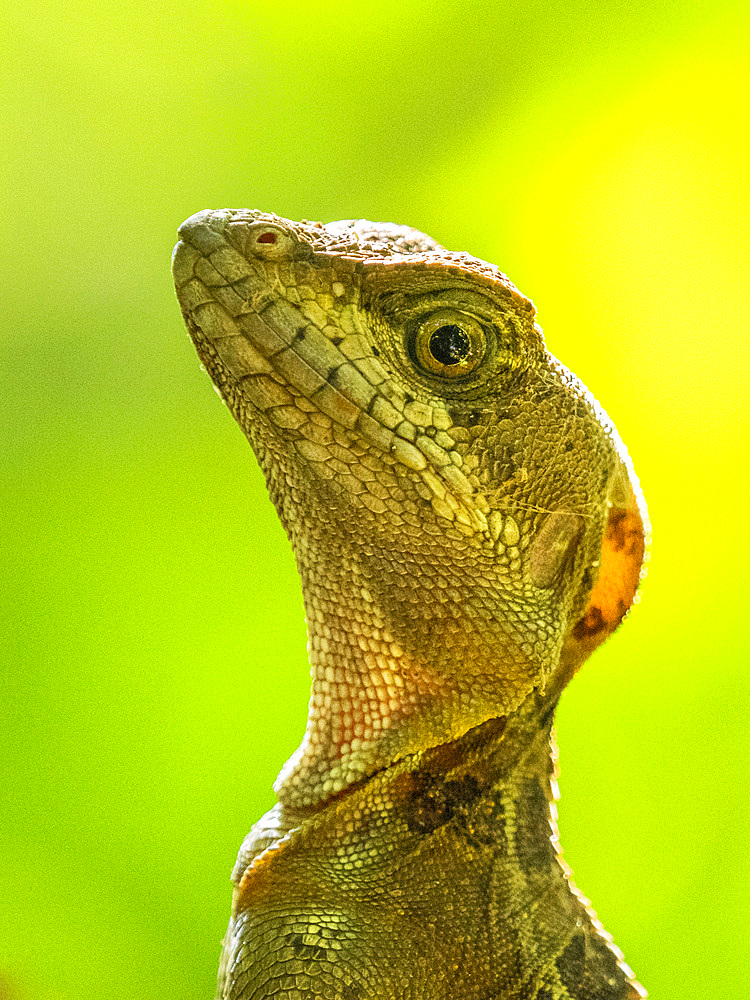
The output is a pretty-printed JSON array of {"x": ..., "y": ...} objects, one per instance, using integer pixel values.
[
  {"x": 433, "y": 802},
  {"x": 484, "y": 826},
  {"x": 303, "y": 950},
  {"x": 435, "y": 794},
  {"x": 571, "y": 964},
  {"x": 300, "y": 335},
  {"x": 544, "y": 994},
  {"x": 454, "y": 783},
  {"x": 545, "y": 719},
  {"x": 426, "y": 809},
  {"x": 295, "y": 942},
  {"x": 569, "y": 446},
  {"x": 464, "y": 791},
  {"x": 616, "y": 529},
  {"x": 336, "y": 341},
  {"x": 375, "y": 351},
  {"x": 591, "y": 624},
  {"x": 533, "y": 831}
]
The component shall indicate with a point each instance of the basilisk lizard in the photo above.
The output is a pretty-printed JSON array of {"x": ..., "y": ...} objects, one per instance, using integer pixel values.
[{"x": 467, "y": 528}]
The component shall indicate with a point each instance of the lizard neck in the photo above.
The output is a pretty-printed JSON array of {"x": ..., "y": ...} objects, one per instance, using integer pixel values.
[{"x": 390, "y": 674}]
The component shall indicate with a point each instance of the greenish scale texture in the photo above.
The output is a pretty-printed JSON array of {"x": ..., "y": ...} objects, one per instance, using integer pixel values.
[{"x": 153, "y": 629}]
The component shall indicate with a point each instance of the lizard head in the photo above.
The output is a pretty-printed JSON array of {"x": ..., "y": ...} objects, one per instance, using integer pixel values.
[{"x": 465, "y": 519}]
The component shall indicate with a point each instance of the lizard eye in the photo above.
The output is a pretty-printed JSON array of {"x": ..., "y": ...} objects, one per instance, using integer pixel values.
[{"x": 449, "y": 343}]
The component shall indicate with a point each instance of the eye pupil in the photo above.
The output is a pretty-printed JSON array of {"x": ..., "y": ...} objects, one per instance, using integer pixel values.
[{"x": 449, "y": 344}]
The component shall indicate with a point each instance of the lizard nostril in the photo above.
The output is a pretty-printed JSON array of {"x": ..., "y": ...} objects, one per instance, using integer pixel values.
[{"x": 267, "y": 241}]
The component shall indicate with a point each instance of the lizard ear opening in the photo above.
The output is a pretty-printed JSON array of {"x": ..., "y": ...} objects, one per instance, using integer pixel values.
[{"x": 621, "y": 569}]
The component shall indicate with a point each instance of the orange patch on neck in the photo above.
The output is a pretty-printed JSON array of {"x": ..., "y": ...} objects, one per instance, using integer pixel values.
[{"x": 623, "y": 549}]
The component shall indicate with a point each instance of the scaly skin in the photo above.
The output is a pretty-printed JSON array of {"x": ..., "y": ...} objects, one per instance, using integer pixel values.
[{"x": 467, "y": 528}]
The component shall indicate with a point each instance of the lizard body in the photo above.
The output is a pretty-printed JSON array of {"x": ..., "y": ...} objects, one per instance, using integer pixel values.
[{"x": 467, "y": 528}]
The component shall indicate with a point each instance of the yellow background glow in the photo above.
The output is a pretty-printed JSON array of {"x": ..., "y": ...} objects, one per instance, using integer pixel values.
[{"x": 154, "y": 672}]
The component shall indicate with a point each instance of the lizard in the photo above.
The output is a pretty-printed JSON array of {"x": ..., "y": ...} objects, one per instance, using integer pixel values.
[{"x": 468, "y": 528}]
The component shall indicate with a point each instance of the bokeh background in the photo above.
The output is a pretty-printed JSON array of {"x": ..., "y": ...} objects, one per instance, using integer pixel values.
[{"x": 154, "y": 672}]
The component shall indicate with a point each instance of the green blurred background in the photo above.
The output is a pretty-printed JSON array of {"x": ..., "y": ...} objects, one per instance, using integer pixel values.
[{"x": 154, "y": 672}]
